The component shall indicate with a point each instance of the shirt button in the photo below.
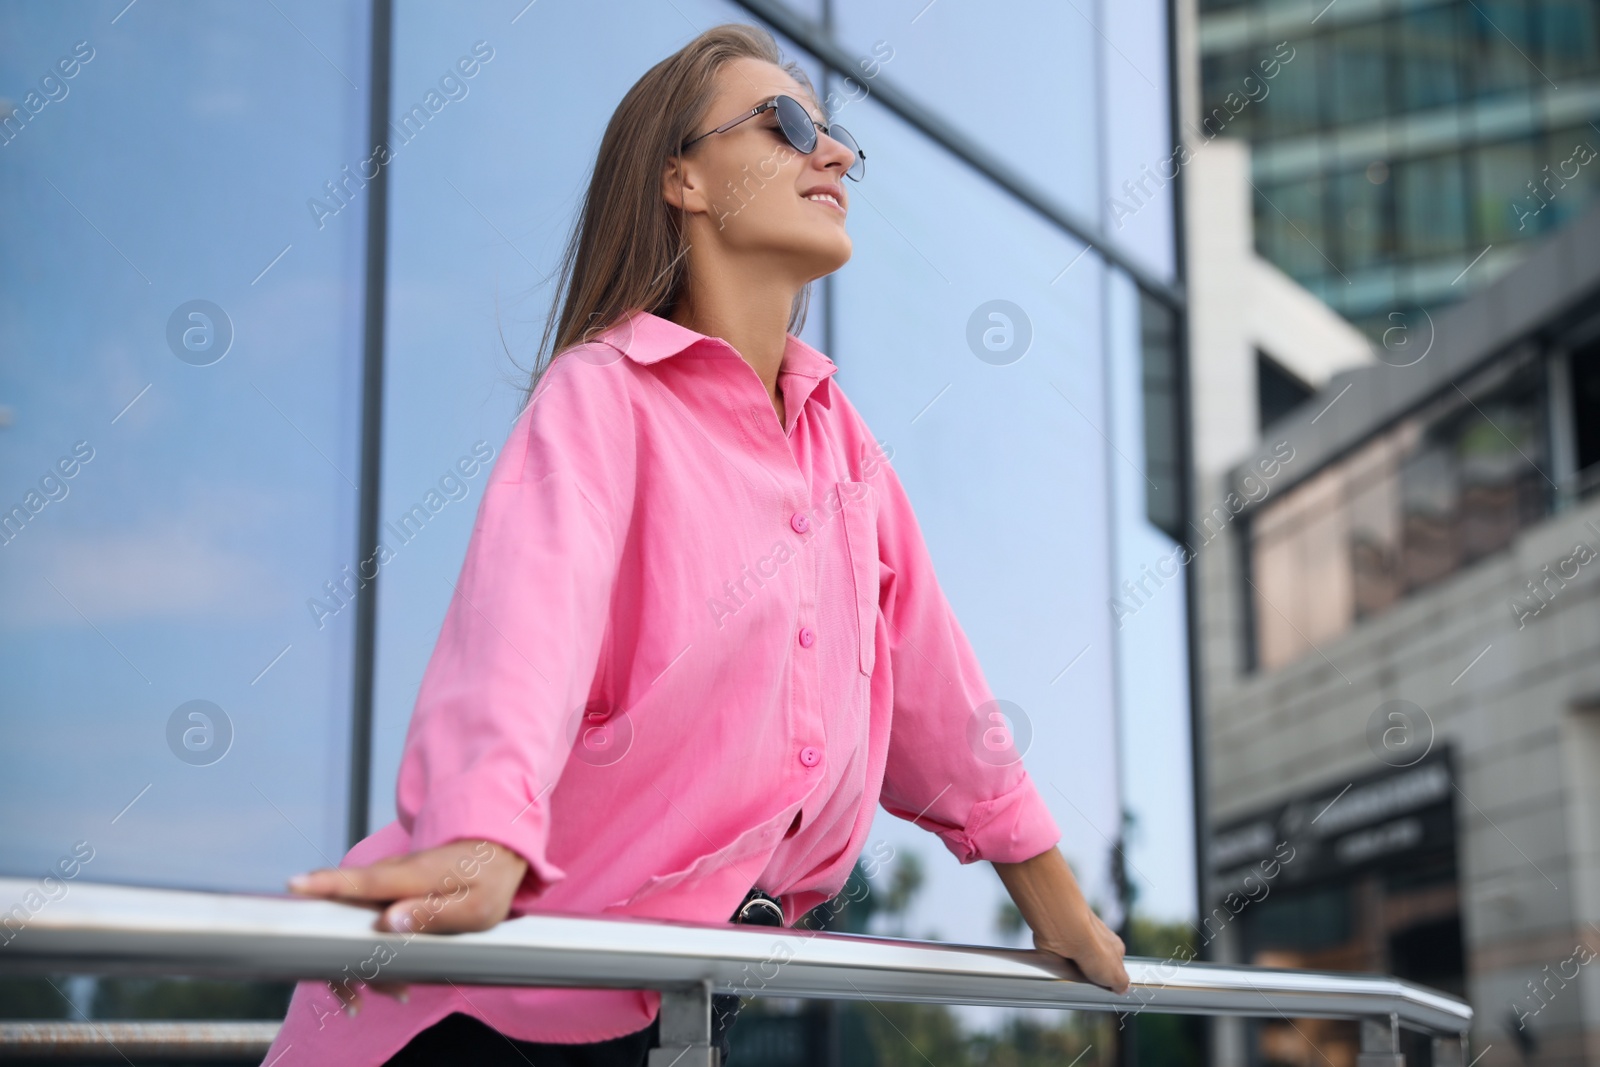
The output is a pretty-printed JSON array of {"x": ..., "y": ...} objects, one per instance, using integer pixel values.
[
  {"x": 807, "y": 636},
  {"x": 799, "y": 521},
  {"x": 810, "y": 756}
]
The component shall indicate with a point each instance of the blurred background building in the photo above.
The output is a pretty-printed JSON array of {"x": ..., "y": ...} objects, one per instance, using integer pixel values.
[
  {"x": 1394, "y": 264},
  {"x": 1405, "y": 137}
]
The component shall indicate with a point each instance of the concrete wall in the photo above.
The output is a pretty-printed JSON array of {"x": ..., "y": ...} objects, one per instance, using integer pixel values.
[
  {"x": 1524, "y": 723},
  {"x": 1524, "y": 719}
]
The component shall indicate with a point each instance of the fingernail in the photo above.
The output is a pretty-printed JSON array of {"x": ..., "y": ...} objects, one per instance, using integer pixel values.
[
  {"x": 400, "y": 919},
  {"x": 300, "y": 881},
  {"x": 404, "y": 995},
  {"x": 351, "y": 1008}
]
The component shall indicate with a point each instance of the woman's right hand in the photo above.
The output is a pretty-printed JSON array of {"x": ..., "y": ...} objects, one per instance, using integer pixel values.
[
  {"x": 456, "y": 887},
  {"x": 1097, "y": 951}
]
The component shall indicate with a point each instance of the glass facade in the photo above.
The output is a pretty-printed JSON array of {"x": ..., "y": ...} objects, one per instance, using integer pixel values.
[
  {"x": 182, "y": 641},
  {"x": 181, "y": 450},
  {"x": 1404, "y": 139}
]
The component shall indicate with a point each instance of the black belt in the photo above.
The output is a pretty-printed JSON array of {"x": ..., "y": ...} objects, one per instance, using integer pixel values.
[{"x": 758, "y": 909}]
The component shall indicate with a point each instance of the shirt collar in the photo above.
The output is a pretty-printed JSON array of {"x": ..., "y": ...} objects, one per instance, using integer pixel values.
[{"x": 646, "y": 338}]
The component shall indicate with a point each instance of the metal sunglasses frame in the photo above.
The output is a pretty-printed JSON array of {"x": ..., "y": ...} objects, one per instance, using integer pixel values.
[{"x": 856, "y": 171}]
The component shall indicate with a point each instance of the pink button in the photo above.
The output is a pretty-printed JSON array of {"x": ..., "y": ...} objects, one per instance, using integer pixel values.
[
  {"x": 810, "y": 756},
  {"x": 799, "y": 521},
  {"x": 806, "y": 637}
]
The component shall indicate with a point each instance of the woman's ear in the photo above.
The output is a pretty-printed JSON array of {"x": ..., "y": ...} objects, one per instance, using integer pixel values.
[{"x": 678, "y": 187}]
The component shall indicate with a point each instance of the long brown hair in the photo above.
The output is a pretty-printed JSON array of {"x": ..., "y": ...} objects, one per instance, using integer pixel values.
[{"x": 627, "y": 250}]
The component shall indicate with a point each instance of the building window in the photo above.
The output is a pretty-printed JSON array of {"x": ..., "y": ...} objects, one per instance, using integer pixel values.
[
  {"x": 1498, "y": 43},
  {"x": 1412, "y": 505},
  {"x": 1358, "y": 62},
  {"x": 1431, "y": 196},
  {"x": 1289, "y": 228},
  {"x": 1362, "y": 203},
  {"x": 1278, "y": 390},
  {"x": 1223, "y": 75},
  {"x": 1569, "y": 32},
  {"x": 1584, "y": 366},
  {"x": 1431, "y": 71},
  {"x": 1299, "y": 96},
  {"x": 1163, "y": 415}
]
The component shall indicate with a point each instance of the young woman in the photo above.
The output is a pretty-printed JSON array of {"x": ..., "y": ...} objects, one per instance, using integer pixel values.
[{"x": 697, "y": 637}]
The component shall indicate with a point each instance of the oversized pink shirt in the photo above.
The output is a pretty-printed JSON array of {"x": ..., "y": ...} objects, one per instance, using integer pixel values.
[{"x": 678, "y": 625}]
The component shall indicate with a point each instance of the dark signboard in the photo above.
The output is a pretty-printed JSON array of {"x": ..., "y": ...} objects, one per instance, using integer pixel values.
[{"x": 1345, "y": 826}]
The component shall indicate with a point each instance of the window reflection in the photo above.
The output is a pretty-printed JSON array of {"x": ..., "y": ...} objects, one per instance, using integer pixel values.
[
  {"x": 178, "y": 643},
  {"x": 1505, "y": 206},
  {"x": 1358, "y": 65},
  {"x": 1432, "y": 209},
  {"x": 1037, "y": 49},
  {"x": 1430, "y": 70},
  {"x": 1222, "y": 74},
  {"x": 1498, "y": 45},
  {"x": 1163, "y": 415},
  {"x": 1297, "y": 99},
  {"x": 1289, "y": 222},
  {"x": 1568, "y": 177},
  {"x": 1366, "y": 230},
  {"x": 1433, "y": 494},
  {"x": 1569, "y": 38}
]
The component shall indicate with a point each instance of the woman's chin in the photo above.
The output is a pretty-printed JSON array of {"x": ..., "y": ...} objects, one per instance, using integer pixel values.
[
  {"x": 831, "y": 256},
  {"x": 813, "y": 255}
]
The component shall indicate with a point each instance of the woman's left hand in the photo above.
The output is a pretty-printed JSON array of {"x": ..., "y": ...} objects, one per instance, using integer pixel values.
[{"x": 459, "y": 886}]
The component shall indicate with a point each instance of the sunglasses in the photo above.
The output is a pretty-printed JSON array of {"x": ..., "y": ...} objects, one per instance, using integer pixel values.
[{"x": 799, "y": 129}]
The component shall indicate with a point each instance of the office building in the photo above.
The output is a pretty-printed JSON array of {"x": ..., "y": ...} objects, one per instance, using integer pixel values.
[
  {"x": 1404, "y": 140},
  {"x": 1402, "y": 698}
]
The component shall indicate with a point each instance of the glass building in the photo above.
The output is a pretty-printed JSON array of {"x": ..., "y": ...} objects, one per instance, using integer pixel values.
[
  {"x": 1405, "y": 141},
  {"x": 261, "y": 347}
]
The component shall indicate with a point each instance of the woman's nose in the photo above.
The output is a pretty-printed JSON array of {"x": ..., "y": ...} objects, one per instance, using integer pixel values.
[{"x": 836, "y": 152}]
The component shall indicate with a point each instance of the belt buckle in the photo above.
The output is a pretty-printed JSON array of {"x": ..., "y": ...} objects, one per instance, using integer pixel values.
[{"x": 759, "y": 909}]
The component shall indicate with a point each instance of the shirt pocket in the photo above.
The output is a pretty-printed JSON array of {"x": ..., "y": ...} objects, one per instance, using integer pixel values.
[{"x": 860, "y": 517}]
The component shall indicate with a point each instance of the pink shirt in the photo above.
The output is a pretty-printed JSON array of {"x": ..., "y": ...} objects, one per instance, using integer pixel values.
[{"x": 678, "y": 625}]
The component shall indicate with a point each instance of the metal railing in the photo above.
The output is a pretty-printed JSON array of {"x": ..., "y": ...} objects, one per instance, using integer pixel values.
[{"x": 125, "y": 930}]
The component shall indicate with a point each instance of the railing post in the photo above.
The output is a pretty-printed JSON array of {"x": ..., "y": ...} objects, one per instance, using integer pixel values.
[
  {"x": 1380, "y": 1042},
  {"x": 1450, "y": 1051},
  {"x": 685, "y": 1030}
]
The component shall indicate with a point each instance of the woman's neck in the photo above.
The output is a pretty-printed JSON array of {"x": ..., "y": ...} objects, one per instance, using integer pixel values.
[{"x": 755, "y": 324}]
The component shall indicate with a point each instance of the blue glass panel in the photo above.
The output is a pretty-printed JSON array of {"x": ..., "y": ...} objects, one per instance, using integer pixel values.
[
  {"x": 1019, "y": 79},
  {"x": 1141, "y": 157},
  {"x": 183, "y": 329},
  {"x": 971, "y": 342}
]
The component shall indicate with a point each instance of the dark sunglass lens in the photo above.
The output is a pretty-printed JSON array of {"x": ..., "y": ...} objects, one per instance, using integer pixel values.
[{"x": 797, "y": 124}]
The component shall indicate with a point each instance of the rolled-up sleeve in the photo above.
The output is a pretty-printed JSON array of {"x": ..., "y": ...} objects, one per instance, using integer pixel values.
[
  {"x": 502, "y": 695},
  {"x": 942, "y": 770}
]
